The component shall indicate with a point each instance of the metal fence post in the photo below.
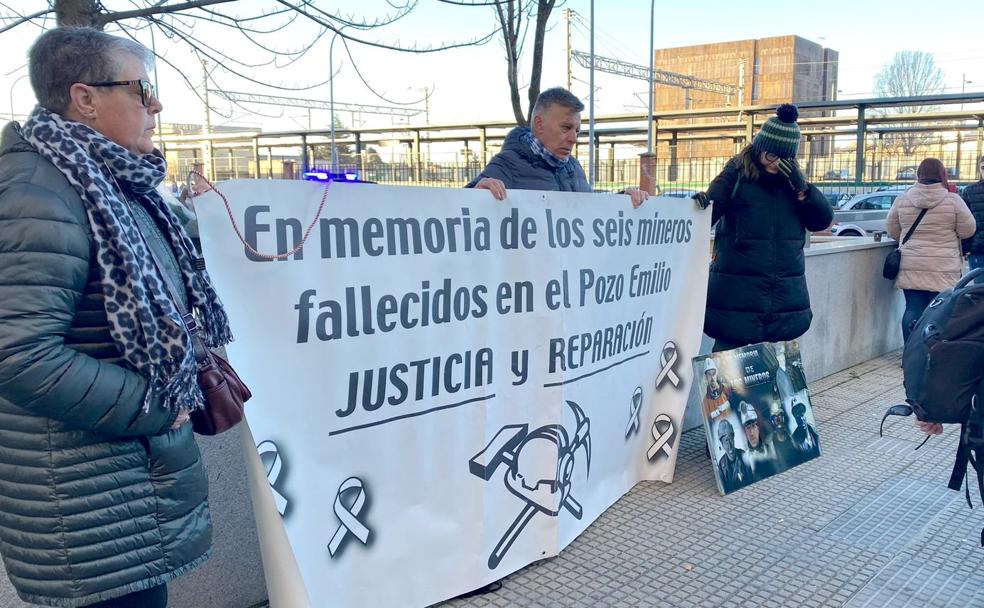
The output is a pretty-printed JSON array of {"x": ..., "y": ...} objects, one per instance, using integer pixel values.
[
  {"x": 304, "y": 154},
  {"x": 862, "y": 136},
  {"x": 256, "y": 156},
  {"x": 415, "y": 156}
]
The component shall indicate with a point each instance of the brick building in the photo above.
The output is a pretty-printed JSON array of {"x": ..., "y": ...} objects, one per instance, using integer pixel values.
[{"x": 775, "y": 70}]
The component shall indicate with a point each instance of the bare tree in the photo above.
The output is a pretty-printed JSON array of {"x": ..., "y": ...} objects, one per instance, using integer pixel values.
[
  {"x": 514, "y": 17},
  {"x": 909, "y": 74},
  {"x": 272, "y": 30}
]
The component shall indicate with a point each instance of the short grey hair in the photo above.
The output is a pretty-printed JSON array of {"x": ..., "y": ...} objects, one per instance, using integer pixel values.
[
  {"x": 64, "y": 56},
  {"x": 557, "y": 96}
]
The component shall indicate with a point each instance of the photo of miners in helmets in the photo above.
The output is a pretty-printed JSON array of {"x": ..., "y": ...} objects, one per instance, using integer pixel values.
[{"x": 757, "y": 413}]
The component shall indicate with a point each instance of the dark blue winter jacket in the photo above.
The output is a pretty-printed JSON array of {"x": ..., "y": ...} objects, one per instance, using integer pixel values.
[
  {"x": 520, "y": 169},
  {"x": 973, "y": 195}
]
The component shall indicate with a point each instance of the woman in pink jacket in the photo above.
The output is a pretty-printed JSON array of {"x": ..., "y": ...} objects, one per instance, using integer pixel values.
[{"x": 931, "y": 259}]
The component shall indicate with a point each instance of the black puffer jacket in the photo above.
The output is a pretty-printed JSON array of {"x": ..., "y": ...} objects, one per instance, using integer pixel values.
[
  {"x": 97, "y": 497},
  {"x": 757, "y": 290},
  {"x": 518, "y": 168},
  {"x": 973, "y": 195}
]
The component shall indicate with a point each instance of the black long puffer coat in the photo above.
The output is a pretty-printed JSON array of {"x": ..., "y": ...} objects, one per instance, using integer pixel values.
[
  {"x": 98, "y": 498},
  {"x": 757, "y": 290}
]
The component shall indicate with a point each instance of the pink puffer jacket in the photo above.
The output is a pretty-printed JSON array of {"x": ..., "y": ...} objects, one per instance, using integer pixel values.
[{"x": 931, "y": 260}]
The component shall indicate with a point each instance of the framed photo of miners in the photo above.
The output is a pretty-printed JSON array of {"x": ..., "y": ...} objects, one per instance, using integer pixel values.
[{"x": 756, "y": 411}]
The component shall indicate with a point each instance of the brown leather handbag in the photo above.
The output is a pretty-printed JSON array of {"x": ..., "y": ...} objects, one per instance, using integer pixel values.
[{"x": 225, "y": 393}]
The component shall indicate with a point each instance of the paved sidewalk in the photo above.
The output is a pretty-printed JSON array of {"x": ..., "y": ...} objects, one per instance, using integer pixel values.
[{"x": 870, "y": 523}]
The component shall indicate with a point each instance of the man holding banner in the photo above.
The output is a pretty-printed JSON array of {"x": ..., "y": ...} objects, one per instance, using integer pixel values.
[{"x": 539, "y": 158}]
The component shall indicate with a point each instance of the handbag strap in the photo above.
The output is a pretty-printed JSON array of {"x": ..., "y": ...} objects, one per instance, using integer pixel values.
[
  {"x": 153, "y": 246},
  {"x": 912, "y": 227}
]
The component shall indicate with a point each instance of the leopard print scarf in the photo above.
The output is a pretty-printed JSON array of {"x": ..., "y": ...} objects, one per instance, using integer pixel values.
[{"x": 143, "y": 320}]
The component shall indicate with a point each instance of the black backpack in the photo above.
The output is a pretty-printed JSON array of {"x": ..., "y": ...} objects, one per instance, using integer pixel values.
[{"x": 943, "y": 366}]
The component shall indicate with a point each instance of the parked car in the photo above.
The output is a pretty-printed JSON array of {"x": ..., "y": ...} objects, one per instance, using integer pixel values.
[
  {"x": 837, "y": 175},
  {"x": 864, "y": 213},
  {"x": 836, "y": 198},
  {"x": 907, "y": 172}
]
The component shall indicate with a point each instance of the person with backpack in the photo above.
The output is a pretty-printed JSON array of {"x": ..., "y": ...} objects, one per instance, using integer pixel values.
[
  {"x": 943, "y": 376},
  {"x": 973, "y": 195},
  {"x": 762, "y": 208},
  {"x": 931, "y": 257}
]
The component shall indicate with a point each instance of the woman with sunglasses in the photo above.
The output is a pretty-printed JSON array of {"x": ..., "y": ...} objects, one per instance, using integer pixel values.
[
  {"x": 762, "y": 208},
  {"x": 103, "y": 498}
]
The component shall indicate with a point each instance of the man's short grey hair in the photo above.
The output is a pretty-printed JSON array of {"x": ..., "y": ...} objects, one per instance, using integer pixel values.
[
  {"x": 64, "y": 56},
  {"x": 557, "y": 96}
]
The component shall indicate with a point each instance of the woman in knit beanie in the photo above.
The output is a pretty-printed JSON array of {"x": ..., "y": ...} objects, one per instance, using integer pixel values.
[{"x": 762, "y": 208}]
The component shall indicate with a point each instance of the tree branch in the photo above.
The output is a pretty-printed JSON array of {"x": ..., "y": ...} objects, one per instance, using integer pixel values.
[
  {"x": 158, "y": 9},
  {"x": 337, "y": 30},
  {"x": 26, "y": 19}
]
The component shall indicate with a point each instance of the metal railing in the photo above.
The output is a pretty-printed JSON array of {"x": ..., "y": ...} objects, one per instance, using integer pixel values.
[{"x": 832, "y": 173}]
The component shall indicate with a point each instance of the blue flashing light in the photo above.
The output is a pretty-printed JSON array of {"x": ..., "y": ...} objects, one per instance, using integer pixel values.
[{"x": 326, "y": 176}]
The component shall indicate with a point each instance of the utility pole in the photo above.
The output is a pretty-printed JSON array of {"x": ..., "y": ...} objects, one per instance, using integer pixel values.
[
  {"x": 427, "y": 120},
  {"x": 427, "y": 97},
  {"x": 568, "y": 15},
  {"x": 207, "y": 150},
  {"x": 591, "y": 124}
]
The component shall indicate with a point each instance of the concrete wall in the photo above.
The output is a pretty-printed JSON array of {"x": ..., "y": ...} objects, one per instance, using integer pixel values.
[
  {"x": 233, "y": 577},
  {"x": 857, "y": 314}
]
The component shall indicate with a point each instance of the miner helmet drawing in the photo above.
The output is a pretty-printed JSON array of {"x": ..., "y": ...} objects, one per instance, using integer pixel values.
[{"x": 540, "y": 465}]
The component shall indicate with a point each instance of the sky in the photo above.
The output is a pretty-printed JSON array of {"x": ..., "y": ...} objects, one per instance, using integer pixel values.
[{"x": 469, "y": 84}]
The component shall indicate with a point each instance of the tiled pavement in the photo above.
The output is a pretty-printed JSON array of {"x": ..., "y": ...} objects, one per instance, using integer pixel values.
[{"x": 870, "y": 523}]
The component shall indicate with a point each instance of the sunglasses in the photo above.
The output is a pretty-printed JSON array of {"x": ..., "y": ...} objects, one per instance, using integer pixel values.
[
  {"x": 147, "y": 92},
  {"x": 770, "y": 157}
]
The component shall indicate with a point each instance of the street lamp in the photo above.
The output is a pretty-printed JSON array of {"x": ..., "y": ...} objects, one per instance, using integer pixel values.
[
  {"x": 18, "y": 79},
  {"x": 331, "y": 97},
  {"x": 652, "y": 51},
  {"x": 591, "y": 101}
]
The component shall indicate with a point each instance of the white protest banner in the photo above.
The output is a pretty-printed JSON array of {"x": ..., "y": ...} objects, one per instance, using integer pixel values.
[{"x": 447, "y": 388}]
